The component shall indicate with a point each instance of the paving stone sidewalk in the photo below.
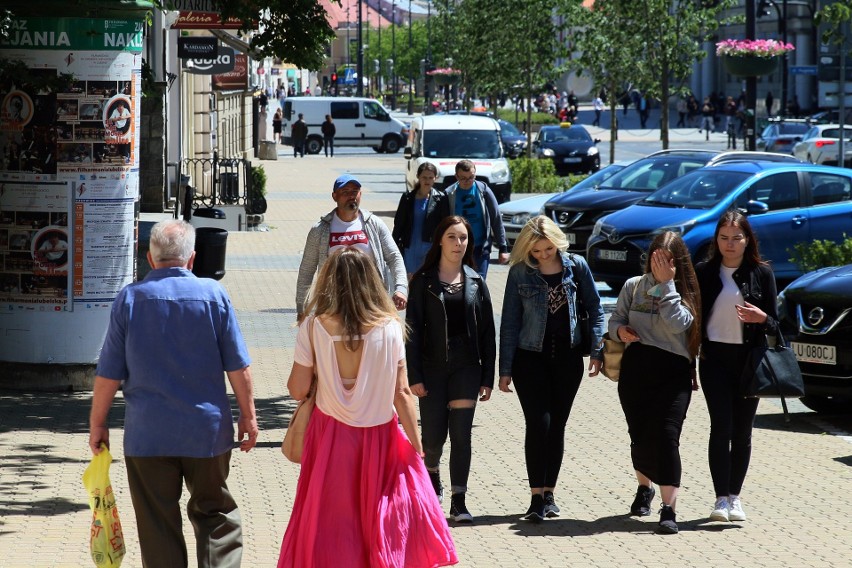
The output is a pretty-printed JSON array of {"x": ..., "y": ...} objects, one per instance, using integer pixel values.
[{"x": 797, "y": 494}]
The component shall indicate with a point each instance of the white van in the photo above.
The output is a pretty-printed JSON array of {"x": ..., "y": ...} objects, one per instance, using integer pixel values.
[
  {"x": 358, "y": 122},
  {"x": 444, "y": 140}
]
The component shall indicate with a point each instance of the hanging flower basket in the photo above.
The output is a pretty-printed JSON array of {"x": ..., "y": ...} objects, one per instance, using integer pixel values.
[
  {"x": 749, "y": 65},
  {"x": 751, "y": 57},
  {"x": 445, "y": 75}
]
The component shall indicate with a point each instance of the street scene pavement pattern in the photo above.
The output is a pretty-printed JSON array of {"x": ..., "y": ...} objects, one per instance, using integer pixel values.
[{"x": 797, "y": 493}]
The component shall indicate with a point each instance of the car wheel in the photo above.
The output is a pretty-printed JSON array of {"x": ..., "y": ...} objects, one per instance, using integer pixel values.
[
  {"x": 313, "y": 145},
  {"x": 391, "y": 144},
  {"x": 827, "y": 405}
]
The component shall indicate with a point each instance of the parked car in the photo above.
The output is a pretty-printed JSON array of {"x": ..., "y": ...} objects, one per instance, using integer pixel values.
[
  {"x": 570, "y": 147},
  {"x": 515, "y": 214},
  {"x": 816, "y": 318},
  {"x": 830, "y": 116},
  {"x": 780, "y": 135},
  {"x": 514, "y": 141},
  {"x": 821, "y": 145},
  {"x": 577, "y": 211},
  {"x": 787, "y": 203}
]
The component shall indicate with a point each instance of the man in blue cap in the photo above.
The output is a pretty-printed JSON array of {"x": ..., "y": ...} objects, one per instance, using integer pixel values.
[{"x": 348, "y": 225}]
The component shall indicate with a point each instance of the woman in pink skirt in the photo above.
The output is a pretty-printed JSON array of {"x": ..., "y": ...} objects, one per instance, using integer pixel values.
[{"x": 364, "y": 498}]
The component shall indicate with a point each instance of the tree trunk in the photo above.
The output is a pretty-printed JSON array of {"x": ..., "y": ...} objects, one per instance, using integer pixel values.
[{"x": 664, "y": 103}]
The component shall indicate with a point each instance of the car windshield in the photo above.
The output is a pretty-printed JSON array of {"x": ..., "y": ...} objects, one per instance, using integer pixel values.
[
  {"x": 509, "y": 129},
  {"x": 564, "y": 134},
  {"x": 597, "y": 178},
  {"x": 793, "y": 128},
  {"x": 652, "y": 173},
  {"x": 699, "y": 190},
  {"x": 484, "y": 144}
]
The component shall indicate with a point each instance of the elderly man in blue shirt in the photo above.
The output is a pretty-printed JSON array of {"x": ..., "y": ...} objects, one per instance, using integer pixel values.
[{"x": 172, "y": 338}]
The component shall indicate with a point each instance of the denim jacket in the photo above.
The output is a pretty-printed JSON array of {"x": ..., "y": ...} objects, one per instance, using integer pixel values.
[{"x": 525, "y": 309}]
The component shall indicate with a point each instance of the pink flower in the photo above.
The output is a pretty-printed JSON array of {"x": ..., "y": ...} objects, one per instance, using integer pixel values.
[
  {"x": 444, "y": 71},
  {"x": 753, "y": 47}
]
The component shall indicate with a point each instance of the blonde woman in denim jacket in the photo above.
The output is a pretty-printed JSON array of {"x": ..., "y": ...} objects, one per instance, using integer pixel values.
[{"x": 541, "y": 348}]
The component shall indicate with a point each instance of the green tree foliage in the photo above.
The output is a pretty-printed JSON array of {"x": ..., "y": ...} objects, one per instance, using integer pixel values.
[
  {"x": 407, "y": 61},
  {"x": 532, "y": 175},
  {"x": 835, "y": 17},
  {"x": 657, "y": 40},
  {"x": 812, "y": 255},
  {"x": 512, "y": 47}
]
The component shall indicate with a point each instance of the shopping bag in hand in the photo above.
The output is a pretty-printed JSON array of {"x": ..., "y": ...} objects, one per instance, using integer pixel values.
[{"x": 106, "y": 541}]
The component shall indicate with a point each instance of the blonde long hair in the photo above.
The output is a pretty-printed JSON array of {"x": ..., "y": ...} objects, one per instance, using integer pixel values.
[
  {"x": 537, "y": 228},
  {"x": 349, "y": 286}
]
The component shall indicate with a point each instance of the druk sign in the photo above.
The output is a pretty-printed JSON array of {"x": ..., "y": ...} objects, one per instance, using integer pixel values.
[{"x": 224, "y": 63}]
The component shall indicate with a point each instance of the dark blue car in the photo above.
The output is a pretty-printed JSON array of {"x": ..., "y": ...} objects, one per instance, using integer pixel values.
[{"x": 787, "y": 203}]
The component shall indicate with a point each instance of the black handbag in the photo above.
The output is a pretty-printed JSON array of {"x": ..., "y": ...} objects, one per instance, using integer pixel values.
[{"x": 773, "y": 372}]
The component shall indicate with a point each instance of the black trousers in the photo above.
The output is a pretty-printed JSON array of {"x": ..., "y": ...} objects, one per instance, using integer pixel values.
[
  {"x": 731, "y": 415},
  {"x": 547, "y": 384},
  {"x": 655, "y": 389},
  {"x": 155, "y": 488}
]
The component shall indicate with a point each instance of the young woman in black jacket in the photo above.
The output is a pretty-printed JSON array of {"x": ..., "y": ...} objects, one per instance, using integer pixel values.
[
  {"x": 417, "y": 216},
  {"x": 451, "y": 352},
  {"x": 738, "y": 296}
]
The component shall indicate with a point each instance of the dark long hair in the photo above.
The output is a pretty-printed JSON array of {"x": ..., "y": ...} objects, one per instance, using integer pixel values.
[
  {"x": 424, "y": 166},
  {"x": 734, "y": 218},
  {"x": 686, "y": 283},
  {"x": 434, "y": 253}
]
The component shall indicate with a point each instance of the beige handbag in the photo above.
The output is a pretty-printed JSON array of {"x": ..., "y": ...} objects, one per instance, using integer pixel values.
[
  {"x": 613, "y": 350},
  {"x": 294, "y": 439}
]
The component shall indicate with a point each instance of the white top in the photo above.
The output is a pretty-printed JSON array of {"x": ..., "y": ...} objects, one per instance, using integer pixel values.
[
  {"x": 369, "y": 402},
  {"x": 723, "y": 326},
  {"x": 348, "y": 234}
]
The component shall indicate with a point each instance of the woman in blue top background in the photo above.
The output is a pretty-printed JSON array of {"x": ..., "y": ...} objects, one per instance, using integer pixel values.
[
  {"x": 417, "y": 216},
  {"x": 548, "y": 291}
]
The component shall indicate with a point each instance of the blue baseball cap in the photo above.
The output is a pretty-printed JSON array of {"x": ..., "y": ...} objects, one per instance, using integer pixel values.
[{"x": 344, "y": 179}]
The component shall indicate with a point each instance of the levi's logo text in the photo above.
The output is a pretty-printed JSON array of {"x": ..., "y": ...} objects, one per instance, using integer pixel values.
[{"x": 347, "y": 239}]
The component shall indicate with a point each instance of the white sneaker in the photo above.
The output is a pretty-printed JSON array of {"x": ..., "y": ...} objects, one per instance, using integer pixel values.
[
  {"x": 721, "y": 510},
  {"x": 735, "y": 510}
]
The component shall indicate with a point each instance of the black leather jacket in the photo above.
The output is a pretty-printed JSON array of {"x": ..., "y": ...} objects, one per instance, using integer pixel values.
[
  {"x": 427, "y": 320},
  {"x": 757, "y": 284},
  {"x": 437, "y": 208}
]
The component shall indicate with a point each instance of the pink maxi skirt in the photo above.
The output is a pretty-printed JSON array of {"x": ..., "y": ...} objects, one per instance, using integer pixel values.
[{"x": 364, "y": 499}]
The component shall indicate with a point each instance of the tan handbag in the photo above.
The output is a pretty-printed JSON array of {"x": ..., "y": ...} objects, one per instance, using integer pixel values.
[
  {"x": 294, "y": 439},
  {"x": 613, "y": 350}
]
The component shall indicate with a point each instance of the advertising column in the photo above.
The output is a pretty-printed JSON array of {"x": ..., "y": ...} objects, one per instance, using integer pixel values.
[{"x": 69, "y": 184}]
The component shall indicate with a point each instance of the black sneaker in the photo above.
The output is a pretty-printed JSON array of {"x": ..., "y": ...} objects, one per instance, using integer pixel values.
[
  {"x": 641, "y": 506},
  {"x": 458, "y": 511},
  {"x": 667, "y": 521},
  {"x": 536, "y": 511},
  {"x": 435, "y": 478},
  {"x": 550, "y": 508}
]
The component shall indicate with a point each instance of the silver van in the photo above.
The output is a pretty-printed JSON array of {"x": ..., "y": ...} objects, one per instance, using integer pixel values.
[{"x": 358, "y": 122}]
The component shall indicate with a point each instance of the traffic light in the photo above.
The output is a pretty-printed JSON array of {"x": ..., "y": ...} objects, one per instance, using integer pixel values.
[{"x": 334, "y": 78}]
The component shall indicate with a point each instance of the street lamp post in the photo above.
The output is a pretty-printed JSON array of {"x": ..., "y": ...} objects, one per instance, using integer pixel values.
[
  {"x": 359, "y": 86},
  {"x": 393, "y": 50},
  {"x": 751, "y": 81},
  {"x": 781, "y": 14},
  {"x": 410, "y": 76}
]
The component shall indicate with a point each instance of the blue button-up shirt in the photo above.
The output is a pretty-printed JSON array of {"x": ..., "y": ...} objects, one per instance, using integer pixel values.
[{"x": 171, "y": 338}]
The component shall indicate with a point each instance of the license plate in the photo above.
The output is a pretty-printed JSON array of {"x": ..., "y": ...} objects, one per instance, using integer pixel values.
[
  {"x": 619, "y": 255},
  {"x": 572, "y": 160},
  {"x": 571, "y": 238},
  {"x": 813, "y": 353}
]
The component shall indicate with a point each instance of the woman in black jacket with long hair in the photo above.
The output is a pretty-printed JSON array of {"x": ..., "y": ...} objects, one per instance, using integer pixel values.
[
  {"x": 451, "y": 352},
  {"x": 417, "y": 216},
  {"x": 738, "y": 296}
]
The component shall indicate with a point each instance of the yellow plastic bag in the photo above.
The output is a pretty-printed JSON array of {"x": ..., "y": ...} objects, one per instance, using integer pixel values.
[{"x": 106, "y": 541}]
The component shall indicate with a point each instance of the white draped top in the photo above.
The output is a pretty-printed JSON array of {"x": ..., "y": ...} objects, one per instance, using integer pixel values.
[{"x": 369, "y": 401}]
